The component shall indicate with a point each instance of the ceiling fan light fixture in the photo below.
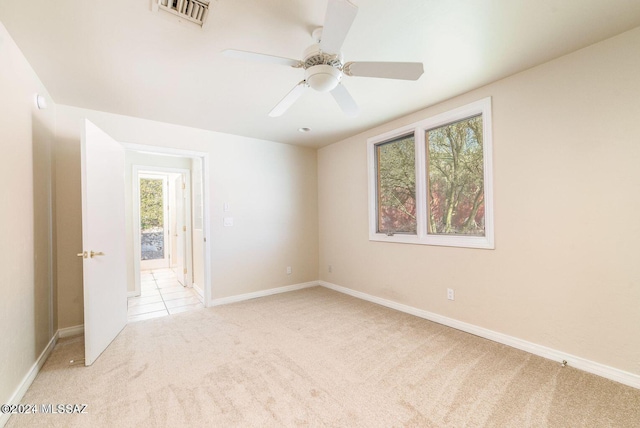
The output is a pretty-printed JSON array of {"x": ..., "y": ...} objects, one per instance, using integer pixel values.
[
  {"x": 323, "y": 62},
  {"x": 323, "y": 78}
]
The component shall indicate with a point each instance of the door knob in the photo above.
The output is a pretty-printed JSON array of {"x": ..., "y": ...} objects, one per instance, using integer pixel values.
[
  {"x": 98, "y": 253},
  {"x": 83, "y": 254}
]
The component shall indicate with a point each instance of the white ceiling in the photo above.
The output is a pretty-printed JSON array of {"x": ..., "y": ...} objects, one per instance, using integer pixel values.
[{"x": 120, "y": 57}]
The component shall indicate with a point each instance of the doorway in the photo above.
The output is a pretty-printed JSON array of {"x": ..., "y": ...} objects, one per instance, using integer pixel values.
[
  {"x": 155, "y": 229},
  {"x": 169, "y": 243},
  {"x": 162, "y": 203},
  {"x": 109, "y": 238}
]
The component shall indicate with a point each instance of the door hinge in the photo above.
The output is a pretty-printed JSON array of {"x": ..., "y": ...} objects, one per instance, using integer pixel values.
[
  {"x": 184, "y": 228},
  {"x": 184, "y": 271},
  {"x": 184, "y": 186}
]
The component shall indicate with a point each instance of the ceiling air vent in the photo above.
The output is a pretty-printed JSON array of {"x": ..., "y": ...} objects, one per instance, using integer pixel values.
[{"x": 192, "y": 10}]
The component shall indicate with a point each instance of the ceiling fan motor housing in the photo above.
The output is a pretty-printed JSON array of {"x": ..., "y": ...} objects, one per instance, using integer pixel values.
[
  {"x": 323, "y": 63},
  {"x": 323, "y": 71}
]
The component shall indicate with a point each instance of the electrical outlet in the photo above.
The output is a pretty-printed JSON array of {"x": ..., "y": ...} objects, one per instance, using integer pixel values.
[
  {"x": 451, "y": 294},
  {"x": 288, "y": 270},
  {"x": 330, "y": 268}
]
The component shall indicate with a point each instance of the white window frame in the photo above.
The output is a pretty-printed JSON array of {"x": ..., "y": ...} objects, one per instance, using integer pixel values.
[{"x": 480, "y": 107}]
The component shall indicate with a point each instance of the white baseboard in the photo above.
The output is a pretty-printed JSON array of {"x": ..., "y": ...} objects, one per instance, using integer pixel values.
[
  {"x": 71, "y": 331},
  {"x": 28, "y": 379},
  {"x": 599, "y": 369},
  {"x": 263, "y": 293},
  {"x": 198, "y": 290},
  {"x": 35, "y": 368}
]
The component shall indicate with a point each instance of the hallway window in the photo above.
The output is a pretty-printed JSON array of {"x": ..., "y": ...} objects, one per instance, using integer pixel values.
[{"x": 152, "y": 218}]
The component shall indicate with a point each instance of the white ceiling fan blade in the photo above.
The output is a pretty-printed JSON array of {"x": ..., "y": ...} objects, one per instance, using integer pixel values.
[
  {"x": 289, "y": 99},
  {"x": 345, "y": 100},
  {"x": 252, "y": 56},
  {"x": 337, "y": 22},
  {"x": 387, "y": 70}
]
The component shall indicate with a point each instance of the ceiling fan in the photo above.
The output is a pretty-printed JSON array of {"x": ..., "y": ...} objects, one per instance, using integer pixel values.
[{"x": 323, "y": 63}]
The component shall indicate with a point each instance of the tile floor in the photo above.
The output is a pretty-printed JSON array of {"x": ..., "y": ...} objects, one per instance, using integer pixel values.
[{"x": 161, "y": 295}]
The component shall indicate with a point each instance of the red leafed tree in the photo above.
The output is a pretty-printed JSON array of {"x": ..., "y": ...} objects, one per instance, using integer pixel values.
[{"x": 397, "y": 186}]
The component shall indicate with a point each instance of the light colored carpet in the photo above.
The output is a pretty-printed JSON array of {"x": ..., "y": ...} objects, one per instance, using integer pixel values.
[{"x": 318, "y": 358}]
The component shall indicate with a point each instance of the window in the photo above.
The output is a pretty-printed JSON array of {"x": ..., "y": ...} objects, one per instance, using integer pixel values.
[
  {"x": 455, "y": 178},
  {"x": 396, "y": 183},
  {"x": 430, "y": 182}
]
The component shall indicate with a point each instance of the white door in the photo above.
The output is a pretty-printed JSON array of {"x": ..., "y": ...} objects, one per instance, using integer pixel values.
[
  {"x": 103, "y": 240},
  {"x": 180, "y": 231}
]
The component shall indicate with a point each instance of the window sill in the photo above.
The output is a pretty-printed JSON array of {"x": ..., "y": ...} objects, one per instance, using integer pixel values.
[{"x": 481, "y": 242}]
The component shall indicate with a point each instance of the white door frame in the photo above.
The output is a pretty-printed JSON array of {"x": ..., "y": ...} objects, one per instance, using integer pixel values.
[
  {"x": 141, "y": 170},
  {"x": 181, "y": 202},
  {"x": 204, "y": 157}
]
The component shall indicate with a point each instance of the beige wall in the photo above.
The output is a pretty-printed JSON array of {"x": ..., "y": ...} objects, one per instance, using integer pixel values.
[
  {"x": 271, "y": 188},
  {"x": 26, "y": 281},
  {"x": 565, "y": 272}
]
